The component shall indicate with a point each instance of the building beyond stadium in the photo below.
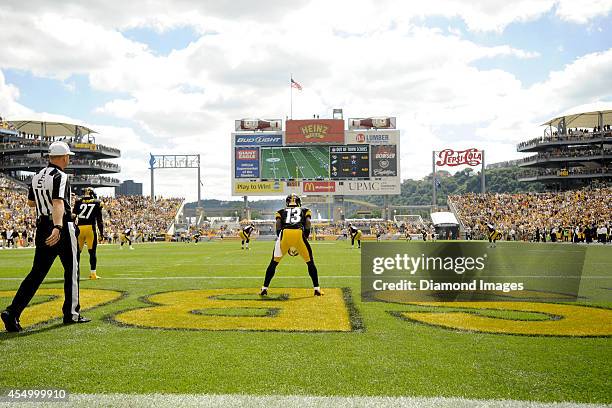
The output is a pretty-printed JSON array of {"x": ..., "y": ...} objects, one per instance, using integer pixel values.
[
  {"x": 24, "y": 145},
  {"x": 575, "y": 150}
]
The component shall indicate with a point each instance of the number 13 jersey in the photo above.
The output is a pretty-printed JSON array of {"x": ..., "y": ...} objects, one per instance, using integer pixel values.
[{"x": 293, "y": 217}]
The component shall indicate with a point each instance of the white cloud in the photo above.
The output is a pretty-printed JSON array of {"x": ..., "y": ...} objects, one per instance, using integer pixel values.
[{"x": 366, "y": 57}]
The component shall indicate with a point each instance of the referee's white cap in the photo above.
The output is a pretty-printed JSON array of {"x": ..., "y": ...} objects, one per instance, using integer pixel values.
[{"x": 59, "y": 149}]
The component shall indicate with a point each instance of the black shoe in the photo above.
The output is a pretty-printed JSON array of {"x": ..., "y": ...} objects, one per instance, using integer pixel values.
[
  {"x": 80, "y": 319},
  {"x": 263, "y": 292},
  {"x": 10, "y": 322}
]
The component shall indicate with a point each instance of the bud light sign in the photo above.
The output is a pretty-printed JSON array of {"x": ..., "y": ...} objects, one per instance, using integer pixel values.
[
  {"x": 247, "y": 162},
  {"x": 259, "y": 139}
]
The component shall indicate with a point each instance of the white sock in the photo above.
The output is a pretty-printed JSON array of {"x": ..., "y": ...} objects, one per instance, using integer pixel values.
[
  {"x": 317, "y": 288},
  {"x": 264, "y": 288}
]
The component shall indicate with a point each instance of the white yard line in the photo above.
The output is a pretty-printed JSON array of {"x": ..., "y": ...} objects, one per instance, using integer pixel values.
[{"x": 255, "y": 401}]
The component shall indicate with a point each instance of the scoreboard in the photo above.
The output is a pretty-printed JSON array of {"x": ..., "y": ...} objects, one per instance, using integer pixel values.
[
  {"x": 349, "y": 162},
  {"x": 316, "y": 157}
]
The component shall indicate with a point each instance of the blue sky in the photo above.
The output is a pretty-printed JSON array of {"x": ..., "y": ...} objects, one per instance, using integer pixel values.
[{"x": 154, "y": 78}]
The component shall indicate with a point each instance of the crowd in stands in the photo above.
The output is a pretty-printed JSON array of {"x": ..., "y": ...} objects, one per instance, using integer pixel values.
[
  {"x": 148, "y": 219},
  {"x": 581, "y": 152},
  {"x": 574, "y": 216},
  {"x": 565, "y": 171},
  {"x": 6, "y": 125},
  {"x": 572, "y": 134},
  {"x": 41, "y": 162}
]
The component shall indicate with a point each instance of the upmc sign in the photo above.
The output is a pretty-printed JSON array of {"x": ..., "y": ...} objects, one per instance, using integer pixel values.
[
  {"x": 319, "y": 187},
  {"x": 259, "y": 139},
  {"x": 450, "y": 157},
  {"x": 314, "y": 131},
  {"x": 377, "y": 187}
]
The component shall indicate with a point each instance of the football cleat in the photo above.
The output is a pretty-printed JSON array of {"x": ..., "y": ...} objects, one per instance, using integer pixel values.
[
  {"x": 80, "y": 319},
  {"x": 11, "y": 323},
  {"x": 263, "y": 292},
  {"x": 318, "y": 292}
]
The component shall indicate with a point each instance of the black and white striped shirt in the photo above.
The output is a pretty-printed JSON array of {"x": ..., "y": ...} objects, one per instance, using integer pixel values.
[{"x": 49, "y": 184}]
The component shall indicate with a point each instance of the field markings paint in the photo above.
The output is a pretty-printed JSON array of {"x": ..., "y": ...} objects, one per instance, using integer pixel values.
[{"x": 280, "y": 401}]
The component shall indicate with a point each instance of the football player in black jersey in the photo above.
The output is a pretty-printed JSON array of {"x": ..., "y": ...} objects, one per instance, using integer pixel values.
[
  {"x": 126, "y": 237},
  {"x": 292, "y": 230},
  {"x": 245, "y": 235},
  {"x": 355, "y": 234},
  {"x": 88, "y": 212}
]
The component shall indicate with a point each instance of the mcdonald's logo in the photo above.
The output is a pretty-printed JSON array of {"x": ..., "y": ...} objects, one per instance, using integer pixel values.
[{"x": 319, "y": 186}]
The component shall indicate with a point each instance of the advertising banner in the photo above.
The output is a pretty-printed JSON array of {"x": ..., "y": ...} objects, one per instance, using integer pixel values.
[
  {"x": 381, "y": 122},
  {"x": 310, "y": 131},
  {"x": 369, "y": 187},
  {"x": 258, "y": 124},
  {"x": 258, "y": 139},
  {"x": 372, "y": 137},
  {"x": 318, "y": 187},
  {"x": 384, "y": 161},
  {"x": 450, "y": 157},
  {"x": 247, "y": 162},
  {"x": 258, "y": 187}
]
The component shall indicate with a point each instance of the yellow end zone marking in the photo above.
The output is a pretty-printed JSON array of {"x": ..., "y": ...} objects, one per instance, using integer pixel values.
[
  {"x": 572, "y": 320},
  {"x": 52, "y": 308},
  {"x": 301, "y": 311}
]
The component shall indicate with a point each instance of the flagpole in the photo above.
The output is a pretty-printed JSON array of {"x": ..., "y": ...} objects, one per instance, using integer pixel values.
[{"x": 291, "y": 91}]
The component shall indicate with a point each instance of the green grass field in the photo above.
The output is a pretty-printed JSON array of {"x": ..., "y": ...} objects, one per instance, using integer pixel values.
[
  {"x": 295, "y": 162},
  {"x": 380, "y": 354}
]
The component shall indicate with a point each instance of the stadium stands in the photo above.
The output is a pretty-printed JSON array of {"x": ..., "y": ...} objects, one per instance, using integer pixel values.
[
  {"x": 569, "y": 158},
  {"x": 149, "y": 219},
  {"x": 560, "y": 216}
]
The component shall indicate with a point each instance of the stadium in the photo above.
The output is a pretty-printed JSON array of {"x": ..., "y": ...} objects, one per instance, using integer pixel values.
[{"x": 305, "y": 265}]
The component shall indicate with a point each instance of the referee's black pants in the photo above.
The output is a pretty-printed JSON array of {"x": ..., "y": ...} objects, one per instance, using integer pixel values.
[{"x": 44, "y": 256}]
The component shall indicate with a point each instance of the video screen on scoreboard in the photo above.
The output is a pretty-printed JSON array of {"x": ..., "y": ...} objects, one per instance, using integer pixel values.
[
  {"x": 304, "y": 162},
  {"x": 351, "y": 161}
]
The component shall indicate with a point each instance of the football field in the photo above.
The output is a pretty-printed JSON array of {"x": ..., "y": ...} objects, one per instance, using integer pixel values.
[
  {"x": 185, "y": 320},
  {"x": 295, "y": 162}
]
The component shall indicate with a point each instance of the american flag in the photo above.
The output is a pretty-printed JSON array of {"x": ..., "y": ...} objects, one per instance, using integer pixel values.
[{"x": 296, "y": 85}]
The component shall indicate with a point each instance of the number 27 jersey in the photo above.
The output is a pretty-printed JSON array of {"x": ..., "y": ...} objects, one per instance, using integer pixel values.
[{"x": 293, "y": 217}]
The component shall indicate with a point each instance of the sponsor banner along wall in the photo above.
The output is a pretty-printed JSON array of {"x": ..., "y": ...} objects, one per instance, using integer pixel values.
[
  {"x": 258, "y": 139},
  {"x": 258, "y": 187},
  {"x": 246, "y": 160},
  {"x": 309, "y": 187},
  {"x": 388, "y": 186},
  {"x": 372, "y": 137},
  {"x": 384, "y": 161},
  {"x": 311, "y": 131}
]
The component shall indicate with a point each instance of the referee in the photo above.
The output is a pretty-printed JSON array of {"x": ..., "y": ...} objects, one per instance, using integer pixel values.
[{"x": 55, "y": 235}]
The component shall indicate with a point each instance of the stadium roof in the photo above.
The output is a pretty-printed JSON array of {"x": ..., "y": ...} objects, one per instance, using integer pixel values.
[
  {"x": 582, "y": 120},
  {"x": 50, "y": 129}
]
